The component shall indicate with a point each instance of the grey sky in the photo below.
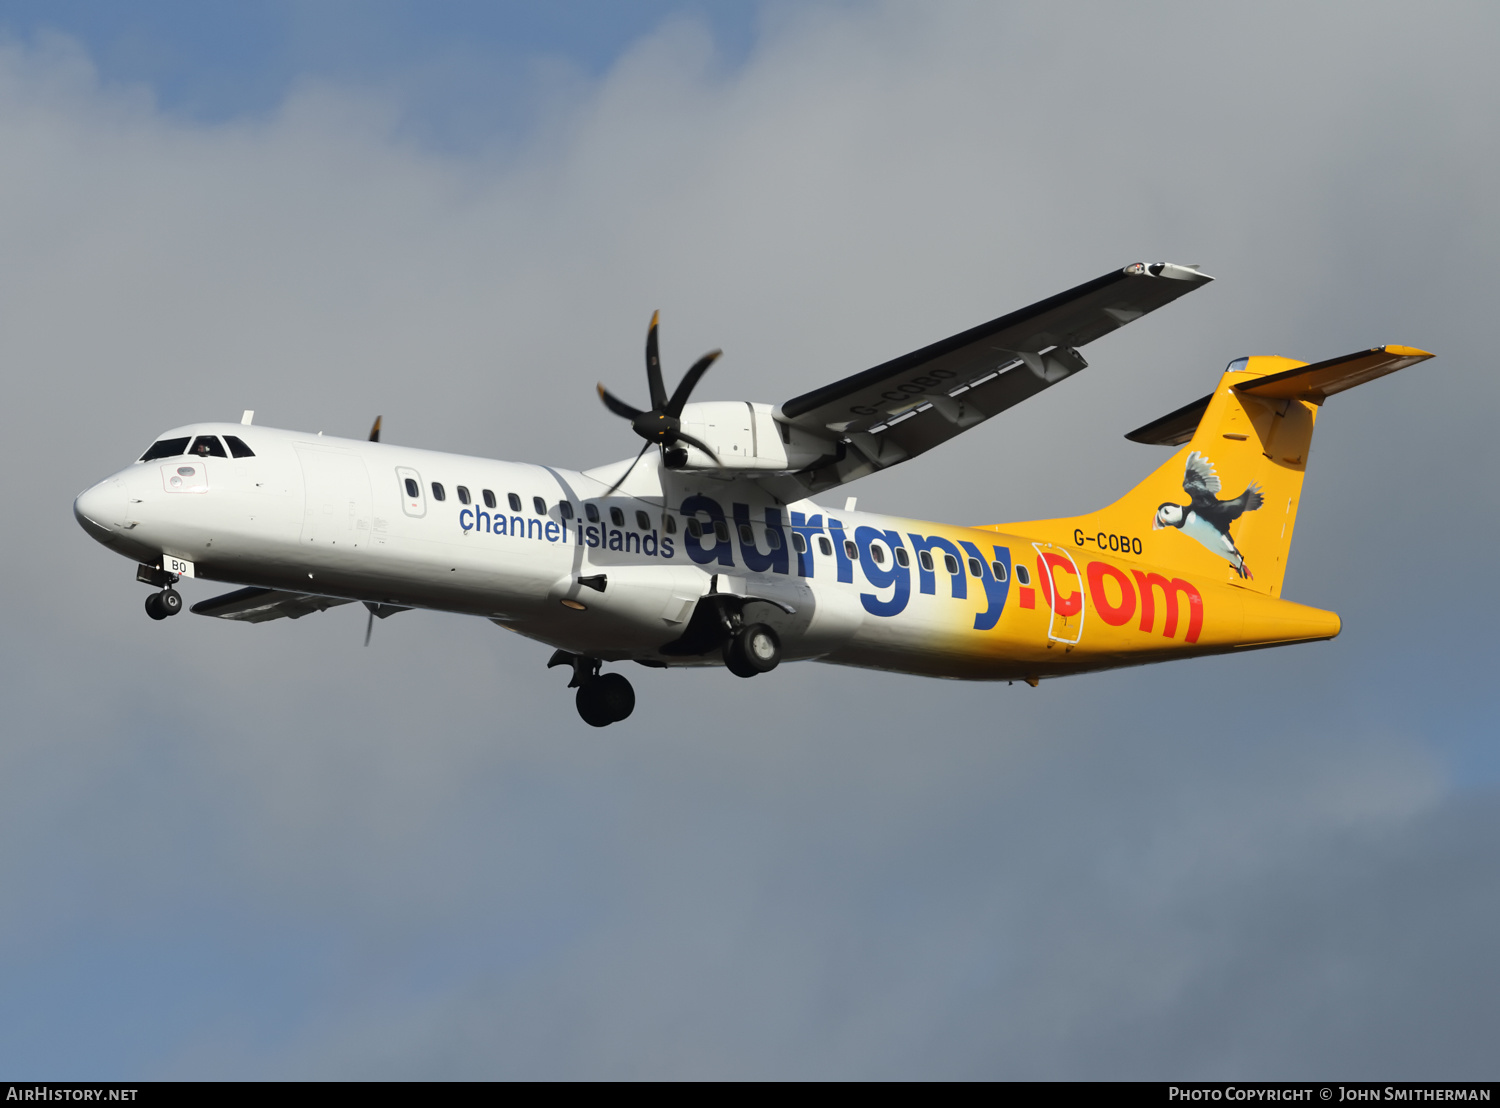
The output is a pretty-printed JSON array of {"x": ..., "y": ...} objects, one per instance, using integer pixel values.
[{"x": 264, "y": 851}]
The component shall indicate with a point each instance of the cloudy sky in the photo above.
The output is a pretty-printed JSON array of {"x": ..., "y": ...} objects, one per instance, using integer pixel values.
[{"x": 231, "y": 851}]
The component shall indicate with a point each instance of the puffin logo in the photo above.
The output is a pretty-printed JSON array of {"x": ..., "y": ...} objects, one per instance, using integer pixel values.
[{"x": 1205, "y": 517}]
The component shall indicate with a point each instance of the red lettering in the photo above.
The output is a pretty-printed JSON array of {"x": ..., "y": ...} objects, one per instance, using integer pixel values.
[
  {"x": 1069, "y": 605},
  {"x": 1169, "y": 590},
  {"x": 1113, "y": 614},
  {"x": 1026, "y": 597}
]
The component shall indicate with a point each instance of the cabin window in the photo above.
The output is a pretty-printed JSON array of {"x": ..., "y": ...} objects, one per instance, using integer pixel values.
[
  {"x": 903, "y": 559},
  {"x": 925, "y": 558},
  {"x": 851, "y": 550},
  {"x": 165, "y": 448},
  {"x": 617, "y": 517},
  {"x": 592, "y": 512},
  {"x": 694, "y": 528},
  {"x": 539, "y": 505},
  {"x": 411, "y": 488},
  {"x": 747, "y": 536},
  {"x": 669, "y": 523},
  {"x": 976, "y": 569},
  {"x": 799, "y": 544},
  {"x": 565, "y": 509},
  {"x": 998, "y": 568},
  {"x": 463, "y": 495},
  {"x": 825, "y": 546},
  {"x": 878, "y": 553},
  {"x": 237, "y": 447},
  {"x": 642, "y": 520},
  {"x": 950, "y": 563},
  {"x": 773, "y": 540},
  {"x": 1023, "y": 575},
  {"x": 489, "y": 498},
  {"x": 721, "y": 530},
  {"x": 437, "y": 491},
  {"x": 514, "y": 500}
]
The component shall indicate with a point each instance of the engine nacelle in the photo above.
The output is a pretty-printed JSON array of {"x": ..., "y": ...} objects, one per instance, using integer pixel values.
[{"x": 745, "y": 436}]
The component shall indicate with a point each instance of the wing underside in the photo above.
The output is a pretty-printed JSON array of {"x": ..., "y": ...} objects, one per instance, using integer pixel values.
[
  {"x": 256, "y": 605},
  {"x": 905, "y": 407}
]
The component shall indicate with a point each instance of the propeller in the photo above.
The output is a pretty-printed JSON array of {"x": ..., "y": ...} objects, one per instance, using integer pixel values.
[{"x": 662, "y": 424}]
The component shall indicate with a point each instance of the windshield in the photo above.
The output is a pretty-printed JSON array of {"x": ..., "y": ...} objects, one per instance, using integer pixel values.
[{"x": 165, "y": 448}]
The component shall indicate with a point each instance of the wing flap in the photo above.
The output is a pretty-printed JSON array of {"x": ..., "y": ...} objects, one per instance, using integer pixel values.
[{"x": 257, "y": 605}]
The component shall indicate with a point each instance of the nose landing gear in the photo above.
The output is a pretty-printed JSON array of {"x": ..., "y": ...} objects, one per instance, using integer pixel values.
[
  {"x": 603, "y": 698},
  {"x": 160, "y": 605}
]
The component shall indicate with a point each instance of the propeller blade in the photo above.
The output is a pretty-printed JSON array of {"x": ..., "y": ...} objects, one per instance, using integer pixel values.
[
  {"x": 610, "y": 491},
  {"x": 680, "y": 437},
  {"x": 618, "y": 406},
  {"x": 653, "y": 367},
  {"x": 369, "y": 626},
  {"x": 689, "y": 382},
  {"x": 375, "y": 431}
]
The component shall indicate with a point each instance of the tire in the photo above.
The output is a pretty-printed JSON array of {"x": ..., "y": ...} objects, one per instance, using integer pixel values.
[
  {"x": 616, "y": 695},
  {"x": 591, "y": 708},
  {"x": 154, "y": 607},
  {"x": 171, "y": 601},
  {"x": 754, "y": 649}
]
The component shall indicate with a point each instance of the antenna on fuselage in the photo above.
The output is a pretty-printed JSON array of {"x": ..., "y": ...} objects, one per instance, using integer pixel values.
[{"x": 375, "y": 430}]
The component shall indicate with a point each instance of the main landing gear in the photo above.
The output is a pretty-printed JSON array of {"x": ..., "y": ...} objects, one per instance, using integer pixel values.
[
  {"x": 603, "y": 698},
  {"x": 753, "y": 649}
]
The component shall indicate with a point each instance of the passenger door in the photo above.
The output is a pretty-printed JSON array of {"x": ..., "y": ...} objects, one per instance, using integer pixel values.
[{"x": 1061, "y": 586}]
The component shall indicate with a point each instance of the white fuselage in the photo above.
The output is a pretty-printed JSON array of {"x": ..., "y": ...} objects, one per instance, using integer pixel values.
[{"x": 337, "y": 517}]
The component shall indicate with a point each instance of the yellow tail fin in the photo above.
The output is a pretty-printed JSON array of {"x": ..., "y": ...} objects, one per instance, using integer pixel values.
[{"x": 1226, "y": 503}]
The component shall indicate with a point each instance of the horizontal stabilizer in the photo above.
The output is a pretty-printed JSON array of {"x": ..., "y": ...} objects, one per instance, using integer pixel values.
[
  {"x": 1314, "y": 383},
  {"x": 254, "y": 605},
  {"x": 1174, "y": 428},
  {"x": 1317, "y": 382}
]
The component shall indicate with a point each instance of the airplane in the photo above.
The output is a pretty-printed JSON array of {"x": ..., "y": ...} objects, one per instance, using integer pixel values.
[{"x": 708, "y": 550}]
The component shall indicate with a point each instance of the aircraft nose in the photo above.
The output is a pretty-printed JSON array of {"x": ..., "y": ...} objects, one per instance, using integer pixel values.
[{"x": 101, "y": 510}]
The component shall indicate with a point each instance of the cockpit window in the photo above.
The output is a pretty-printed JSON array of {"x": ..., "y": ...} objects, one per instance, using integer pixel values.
[
  {"x": 207, "y": 446},
  {"x": 237, "y": 447},
  {"x": 165, "y": 448}
]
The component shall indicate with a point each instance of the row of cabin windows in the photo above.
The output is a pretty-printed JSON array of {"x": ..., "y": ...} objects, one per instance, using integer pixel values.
[
  {"x": 204, "y": 446},
  {"x": 539, "y": 505},
  {"x": 877, "y": 552}
]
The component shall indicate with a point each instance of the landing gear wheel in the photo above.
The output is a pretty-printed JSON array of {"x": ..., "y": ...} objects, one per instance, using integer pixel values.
[
  {"x": 753, "y": 649},
  {"x": 606, "y": 699},
  {"x": 171, "y": 601},
  {"x": 154, "y": 607}
]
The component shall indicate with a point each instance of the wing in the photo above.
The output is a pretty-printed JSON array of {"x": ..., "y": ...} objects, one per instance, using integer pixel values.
[
  {"x": 255, "y": 605},
  {"x": 1199, "y": 480},
  {"x": 885, "y": 415}
]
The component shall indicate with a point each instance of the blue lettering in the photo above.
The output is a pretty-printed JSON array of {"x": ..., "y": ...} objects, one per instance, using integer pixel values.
[
  {"x": 551, "y": 530},
  {"x": 591, "y": 536},
  {"x": 807, "y": 527},
  {"x": 722, "y": 550},
  {"x": 614, "y": 540},
  {"x": 667, "y": 548},
  {"x": 840, "y": 555},
  {"x": 755, "y": 561},
  {"x": 880, "y": 576},
  {"x": 632, "y": 542},
  {"x": 517, "y": 526},
  {"x": 994, "y": 591},
  {"x": 534, "y": 529},
  {"x": 466, "y": 524},
  {"x": 649, "y": 545},
  {"x": 926, "y": 578}
]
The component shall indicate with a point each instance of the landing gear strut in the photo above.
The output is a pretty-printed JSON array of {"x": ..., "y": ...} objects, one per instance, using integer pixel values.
[{"x": 603, "y": 698}]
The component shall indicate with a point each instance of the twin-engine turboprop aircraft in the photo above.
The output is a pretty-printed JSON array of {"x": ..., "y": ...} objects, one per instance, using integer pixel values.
[{"x": 711, "y": 551}]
